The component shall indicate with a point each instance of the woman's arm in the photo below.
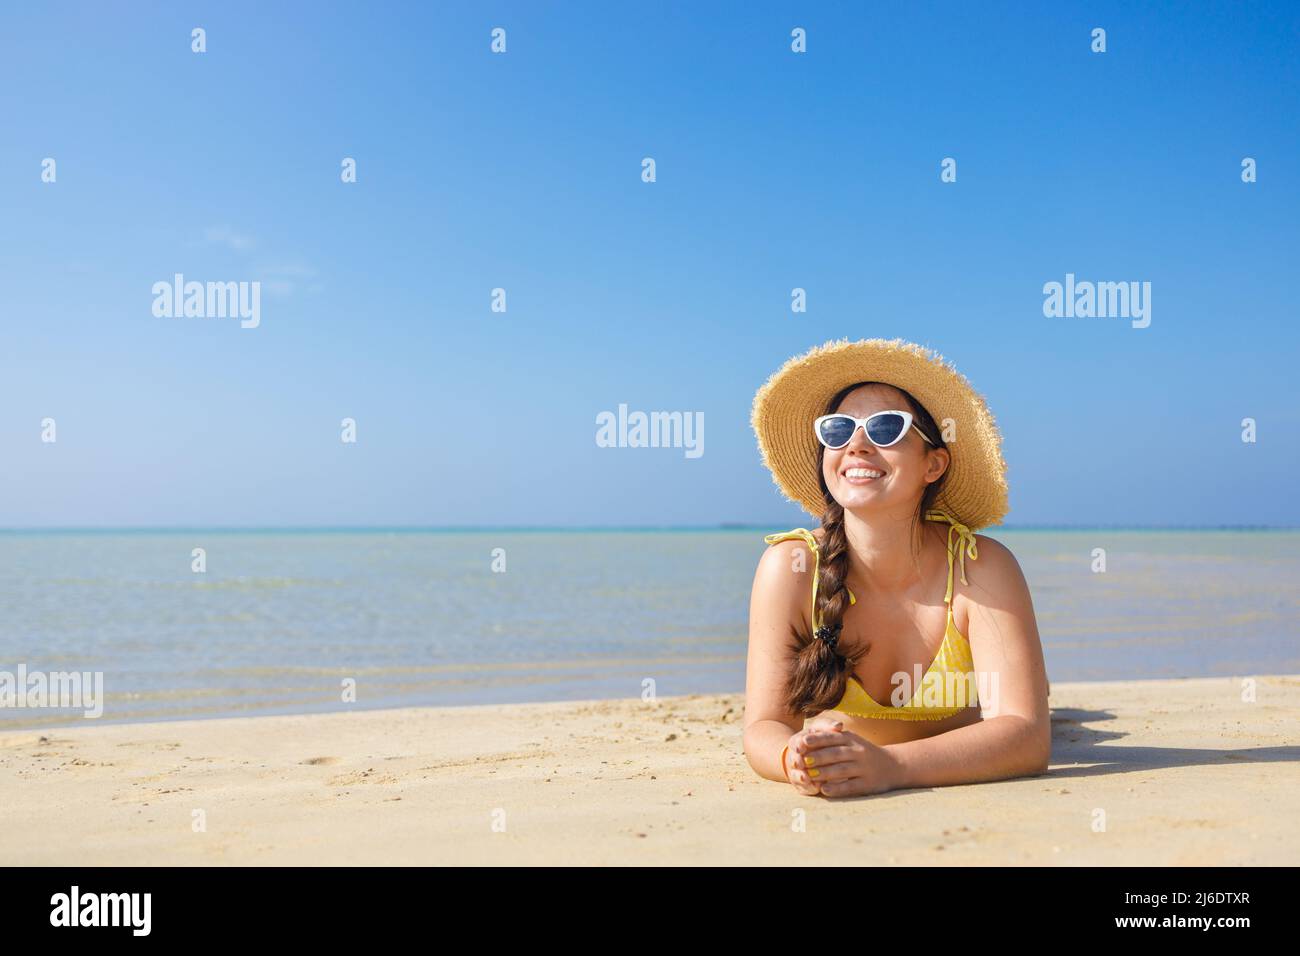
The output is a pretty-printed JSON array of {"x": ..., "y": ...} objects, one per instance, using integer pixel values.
[
  {"x": 764, "y": 741},
  {"x": 1006, "y": 746},
  {"x": 1014, "y": 738},
  {"x": 782, "y": 585}
]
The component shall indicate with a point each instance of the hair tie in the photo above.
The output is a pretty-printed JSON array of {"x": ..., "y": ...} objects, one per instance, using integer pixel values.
[{"x": 828, "y": 634}]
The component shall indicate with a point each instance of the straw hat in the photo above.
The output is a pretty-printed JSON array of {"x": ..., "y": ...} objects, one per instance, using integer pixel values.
[{"x": 975, "y": 487}]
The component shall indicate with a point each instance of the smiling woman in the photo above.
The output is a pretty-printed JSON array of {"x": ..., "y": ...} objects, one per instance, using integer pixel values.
[{"x": 848, "y": 432}]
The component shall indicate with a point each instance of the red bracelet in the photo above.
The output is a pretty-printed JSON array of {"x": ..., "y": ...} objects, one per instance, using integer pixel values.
[{"x": 784, "y": 769}]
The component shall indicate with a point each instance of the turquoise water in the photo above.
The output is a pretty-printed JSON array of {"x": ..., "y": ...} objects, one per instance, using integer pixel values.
[{"x": 280, "y": 619}]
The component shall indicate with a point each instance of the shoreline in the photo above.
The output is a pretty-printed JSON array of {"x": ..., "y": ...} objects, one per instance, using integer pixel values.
[{"x": 661, "y": 782}]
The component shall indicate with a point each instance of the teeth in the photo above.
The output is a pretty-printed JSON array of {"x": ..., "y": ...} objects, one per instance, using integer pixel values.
[{"x": 864, "y": 473}]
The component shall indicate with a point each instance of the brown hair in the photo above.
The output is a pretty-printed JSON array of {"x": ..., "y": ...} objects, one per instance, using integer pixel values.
[{"x": 821, "y": 672}]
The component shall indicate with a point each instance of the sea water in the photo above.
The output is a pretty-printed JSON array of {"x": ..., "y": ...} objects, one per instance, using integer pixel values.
[{"x": 307, "y": 621}]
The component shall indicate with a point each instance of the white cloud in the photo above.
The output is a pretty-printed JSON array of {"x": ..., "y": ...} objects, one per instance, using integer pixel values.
[{"x": 228, "y": 237}]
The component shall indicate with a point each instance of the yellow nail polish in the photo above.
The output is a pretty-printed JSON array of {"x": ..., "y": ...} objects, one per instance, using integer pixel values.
[
  {"x": 814, "y": 773},
  {"x": 809, "y": 762}
]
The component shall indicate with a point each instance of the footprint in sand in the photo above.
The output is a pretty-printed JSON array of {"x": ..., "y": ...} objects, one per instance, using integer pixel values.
[{"x": 320, "y": 761}]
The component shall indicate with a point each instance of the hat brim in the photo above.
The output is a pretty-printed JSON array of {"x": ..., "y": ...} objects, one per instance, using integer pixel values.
[{"x": 975, "y": 487}]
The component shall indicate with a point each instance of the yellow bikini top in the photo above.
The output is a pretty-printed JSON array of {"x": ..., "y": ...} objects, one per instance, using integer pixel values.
[{"x": 949, "y": 684}]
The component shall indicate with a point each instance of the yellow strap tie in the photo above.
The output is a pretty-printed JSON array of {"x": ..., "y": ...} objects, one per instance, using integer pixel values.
[{"x": 965, "y": 546}]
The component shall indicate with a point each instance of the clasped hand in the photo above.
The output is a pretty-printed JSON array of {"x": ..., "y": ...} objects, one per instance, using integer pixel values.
[{"x": 825, "y": 759}]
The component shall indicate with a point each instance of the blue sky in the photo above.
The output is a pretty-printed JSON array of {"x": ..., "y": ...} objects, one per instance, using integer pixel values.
[{"x": 522, "y": 171}]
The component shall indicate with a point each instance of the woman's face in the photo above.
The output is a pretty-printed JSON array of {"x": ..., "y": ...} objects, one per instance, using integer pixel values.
[{"x": 862, "y": 477}]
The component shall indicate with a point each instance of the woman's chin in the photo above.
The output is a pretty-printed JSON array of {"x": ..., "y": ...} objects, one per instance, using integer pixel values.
[{"x": 859, "y": 499}]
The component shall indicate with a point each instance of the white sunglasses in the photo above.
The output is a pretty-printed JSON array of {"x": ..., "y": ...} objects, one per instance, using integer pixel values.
[{"x": 882, "y": 428}]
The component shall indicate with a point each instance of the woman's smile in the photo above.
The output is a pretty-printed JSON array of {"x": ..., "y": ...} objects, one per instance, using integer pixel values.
[{"x": 862, "y": 474}]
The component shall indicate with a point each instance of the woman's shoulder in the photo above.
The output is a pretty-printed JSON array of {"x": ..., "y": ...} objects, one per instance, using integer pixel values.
[
  {"x": 783, "y": 582},
  {"x": 998, "y": 553},
  {"x": 787, "y": 563},
  {"x": 994, "y": 574}
]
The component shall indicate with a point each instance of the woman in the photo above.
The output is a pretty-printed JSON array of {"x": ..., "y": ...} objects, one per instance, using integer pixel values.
[{"x": 900, "y": 458}]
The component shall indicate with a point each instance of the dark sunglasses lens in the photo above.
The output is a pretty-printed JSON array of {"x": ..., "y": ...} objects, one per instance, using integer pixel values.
[
  {"x": 838, "y": 430},
  {"x": 885, "y": 429}
]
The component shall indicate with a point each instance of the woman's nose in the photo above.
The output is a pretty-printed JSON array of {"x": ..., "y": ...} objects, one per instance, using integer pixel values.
[{"x": 859, "y": 441}]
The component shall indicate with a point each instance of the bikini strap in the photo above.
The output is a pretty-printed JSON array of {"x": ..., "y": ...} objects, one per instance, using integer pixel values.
[
  {"x": 811, "y": 540},
  {"x": 965, "y": 546}
]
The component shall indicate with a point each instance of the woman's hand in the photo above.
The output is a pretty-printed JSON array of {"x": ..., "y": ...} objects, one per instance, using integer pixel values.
[
  {"x": 843, "y": 764},
  {"x": 795, "y": 768}
]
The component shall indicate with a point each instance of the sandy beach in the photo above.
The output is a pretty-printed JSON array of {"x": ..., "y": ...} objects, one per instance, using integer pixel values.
[{"x": 1183, "y": 771}]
